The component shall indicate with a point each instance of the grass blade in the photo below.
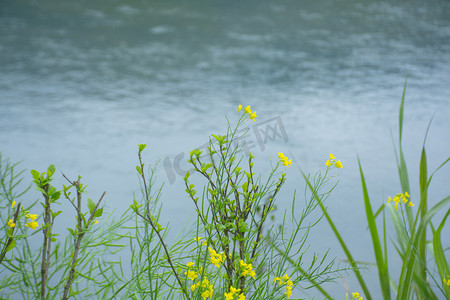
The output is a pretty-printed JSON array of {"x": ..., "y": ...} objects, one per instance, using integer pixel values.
[
  {"x": 439, "y": 256},
  {"x": 383, "y": 272}
]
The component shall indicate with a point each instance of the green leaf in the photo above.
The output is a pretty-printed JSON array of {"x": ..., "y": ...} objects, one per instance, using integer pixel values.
[
  {"x": 72, "y": 232},
  {"x": 142, "y": 147},
  {"x": 91, "y": 205},
  {"x": 186, "y": 177},
  {"x": 35, "y": 174},
  {"x": 11, "y": 245},
  {"x": 55, "y": 195},
  {"x": 54, "y": 239},
  {"x": 55, "y": 214},
  {"x": 98, "y": 213},
  {"x": 139, "y": 169},
  {"x": 50, "y": 171},
  {"x": 245, "y": 187},
  {"x": 206, "y": 167}
]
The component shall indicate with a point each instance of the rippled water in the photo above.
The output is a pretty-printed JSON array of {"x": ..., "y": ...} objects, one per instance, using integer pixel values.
[{"x": 82, "y": 83}]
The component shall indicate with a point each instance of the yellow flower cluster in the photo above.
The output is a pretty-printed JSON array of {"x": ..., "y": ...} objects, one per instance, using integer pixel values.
[
  {"x": 357, "y": 296},
  {"x": 403, "y": 197},
  {"x": 32, "y": 224},
  {"x": 216, "y": 258},
  {"x": 190, "y": 273},
  {"x": 11, "y": 223},
  {"x": 287, "y": 282},
  {"x": 198, "y": 239},
  {"x": 205, "y": 287},
  {"x": 286, "y": 161},
  {"x": 230, "y": 295},
  {"x": 332, "y": 161},
  {"x": 247, "y": 269},
  {"x": 248, "y": 111},
  {"x": 446, "y": 281}
]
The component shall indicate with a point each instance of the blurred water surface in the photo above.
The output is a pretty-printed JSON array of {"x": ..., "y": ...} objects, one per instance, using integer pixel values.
[{"x": 82, "y": 83}]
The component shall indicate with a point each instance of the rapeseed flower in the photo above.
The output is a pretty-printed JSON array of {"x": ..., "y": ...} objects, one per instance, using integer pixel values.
[
  {"x": 402, "y": 197},
  {"x": 446, "y": 281},
  {"x": 332, "y": 161},
  {"x": 11, "y": 223},
  {"x": 248, "y": 110},
  {"x": 205, "y": 287},
  {"x": 247, "y": 269},
  {"x": 233, "y": 291},
  {"x": 31, "y": 216},
  {"x": 192, "y": 275},
  {"x": 33, "y": 225},
  {"x": 286, "y": 161},
  {"x": 13, "y": 203},
  {"x": 216, "y": 258},
  {"x": 287, "y": 282},
  {"x": 357, "y": 296}
]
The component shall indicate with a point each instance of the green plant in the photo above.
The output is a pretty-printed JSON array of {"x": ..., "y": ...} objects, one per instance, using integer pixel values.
[
  {"x": 232, "y": 251},
  {"x": 411, "y": 235}
]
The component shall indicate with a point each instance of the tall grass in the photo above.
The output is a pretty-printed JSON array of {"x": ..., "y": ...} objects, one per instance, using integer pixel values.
[{"x": 417, "y": 279}]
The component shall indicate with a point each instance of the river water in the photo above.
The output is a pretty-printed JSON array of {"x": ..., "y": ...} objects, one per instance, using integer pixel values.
[{"x": 82, "y": 83}]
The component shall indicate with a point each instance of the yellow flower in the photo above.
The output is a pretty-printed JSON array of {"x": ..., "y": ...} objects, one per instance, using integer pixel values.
[
  {"x": 248, "y": 110},
  {"x": 95, "y": 221},
  {"x": 192, "y": 287},
  {"x": 198, "y": 239},
  {"x": 288, "y": 292},
  {"x": 332, "y": 161},
  {"x": 208, "y": 288},
  {"x": 11, "y": 223},
  {"x": 230, "y": 295},
  {"x": 446, "y": 282},
  {"x": 190, "y": 264},
  {"x": 33, "y": 225},
  {"x": 253, "y": 116},
  {"x": 13, "y": 203},
  {"x": 191, "y": 275},
  {"x": 401, "y": 197},
  {"x": 239, "y": 107},
  {"x": 355, "y": 295},
  {"x": 286, "y": 161},
  {"x": 216, "y": 258},
  {"x": 287, "y": 282},
  {"x": 247, "y": 269},
  {"x": 31, "y": 216}
]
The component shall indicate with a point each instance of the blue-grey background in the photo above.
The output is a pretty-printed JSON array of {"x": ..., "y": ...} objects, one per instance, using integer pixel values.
[{"x": 82, "y": 83}]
